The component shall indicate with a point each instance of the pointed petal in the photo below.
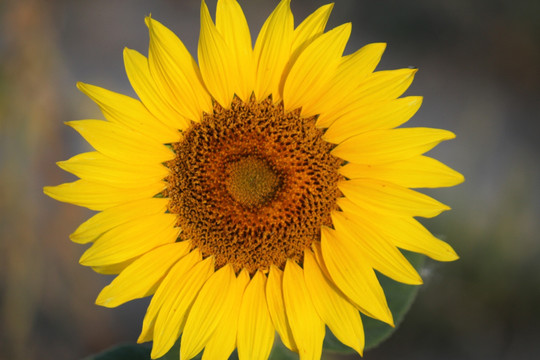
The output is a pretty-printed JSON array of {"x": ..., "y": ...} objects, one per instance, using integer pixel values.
[
  {"x": 168, "y": 290},
  {"x": 335, "y": 310},
  {"x": 379, "y": 86},
  {"x": 174, "y": 311},
  {"x": 384, "y": 146},
  {"x": 416, "y": 172},
  {"x": 272, "y": 51},
  {"x": 276, "y": 307},
  {"x": 99, "y": 197},
  {"x": 380, "y": 115},
  {"x": 113, "y": 269},
  {"x": 141, "y": 277},
  {"x": 233, "y": 27},
  {"x": 388, "y": 198},
  {"x": 176, "y": 73},
  {"x": 121, "y": 143},
  {"x": 144, "y": 85},
  {"x": 207, "y": 311},
  {"x": 92, "y": 228},
  {"x": 255, "y": 329},
  {"x": 380, "y": 254},
  {"x": 98, "y": 168},
  {"x": 131, "y": 239},
  {"x": 219, "y": 68},
  {"x": 404, "y": 232},
  {"x": 306, "y": 325},
  {"x": 311, "y": 27},
  {"x": 314, "y": 67},
  {"x": 223, "y": 341},
  {"x": 129, "y": 112},
  {"x": 354, "y": 277}
]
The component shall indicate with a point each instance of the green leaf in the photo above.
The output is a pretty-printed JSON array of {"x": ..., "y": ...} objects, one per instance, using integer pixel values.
[{"x": 400, "y": 297}]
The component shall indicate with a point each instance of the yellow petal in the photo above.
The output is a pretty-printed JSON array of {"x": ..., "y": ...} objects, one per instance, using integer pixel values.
[
  {"x": 98, "y": 196},
  {"x": 233, "y": 27},
  {"x": 381, "y": 255},
  {"x": 306, "y": 325},
  {"x": 121, "y": 143},
  {"x": 276, "y": 307},
  {"x": 98, "y": 168},
  {"x": 207, "y": 311},
  {"x": 129, "y": 112},
  {"x": 350, "y": 74},
  {"x": 173, "y": 313},
  {"x": 223, "y": 341},
  {"x": 311, "y": 27},
  {"x": 380, "y": 115},
  {"x": 341, "y": 316},
  {"x": 404, "y": 232},
  {"x": 113, "y": 269},
  {"x": 144, "y": 85},
  {"x": 176, "y": 73},
  {"x": 272, "y": 51},
  {"x": 167, "y": 291},
  {"x": 384, "y": 146},
  {"x": 219, "y": 68},
  {"x": 388, "y": 198},
  {"x": 104, "y": 221},
  {"x": 416, "y": 172},
  {"x": 141, "y": 277},
  {"x": 354, "y": 277},
  {"x": 131, "y": 239},
  {"x": 255, "y": 329},
  {"x": 314, "y": 67},
  {"x": 379, "y": 86}
]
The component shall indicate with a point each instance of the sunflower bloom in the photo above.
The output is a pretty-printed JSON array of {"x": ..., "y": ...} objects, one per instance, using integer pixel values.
[{"x": 256, "y": 191}]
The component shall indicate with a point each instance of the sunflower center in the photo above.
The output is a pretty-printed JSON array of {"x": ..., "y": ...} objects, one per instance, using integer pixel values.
[
  {"x": 251, "y": 181},
  {"x": 252, "y": 185}
]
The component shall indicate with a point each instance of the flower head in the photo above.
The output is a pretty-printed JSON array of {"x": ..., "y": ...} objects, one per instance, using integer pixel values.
[{"x": 258, "y": 190}]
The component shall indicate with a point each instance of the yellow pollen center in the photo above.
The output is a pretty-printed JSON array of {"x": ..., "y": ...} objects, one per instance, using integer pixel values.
[{"x": 251, "y": 181}]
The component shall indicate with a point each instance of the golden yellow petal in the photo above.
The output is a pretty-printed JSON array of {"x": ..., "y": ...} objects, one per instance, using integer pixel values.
[
  {"x": 223, "y": 341},
  {"x": 354, "y": 277},
  {"x": 276, "y": 307},
  {"x": 272, "y": 51},
  {"x": 98, "y": 168},
  {"x": 416, "y": 172},
  {"x": 92, "y": 228},
  {"x": 306, "y": 325},
  {"x": 379, "y": 253},
  {"x": 142, "y": 277},
  {"x": 311, "y": 27},
  {"x": 129, "y": 112},
  {"x": 97, "y": 196},
  {"x": 387, "y": 198},
  {"x": 379, "y": 86},
  {"x": 176, "y": 73},
  {"x": 380, "y": 115},
  {"x": 207, "y": 311},
  {"x": 121, "y": 143},
  {"x": 255, "y": 329},
  {"x": 384, "y": 146},
  {"x": 335, "y": 310},
  {"x": 174, "y": 311},
  {"x": 144, "y": 85},
  {"x": 131, "y": 239},
  {"x": 315, "y": 66},
  {"x": 167, "y": 291},
  {"x": 404, "y": 232},
  {"x": 233, "y": 27}
]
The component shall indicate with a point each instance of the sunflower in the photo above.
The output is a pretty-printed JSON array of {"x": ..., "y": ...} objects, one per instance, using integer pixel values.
[{"x": 258, "y": 190}]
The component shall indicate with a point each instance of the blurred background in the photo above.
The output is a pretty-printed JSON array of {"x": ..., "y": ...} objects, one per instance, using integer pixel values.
[{"x": 479, "y": 67}]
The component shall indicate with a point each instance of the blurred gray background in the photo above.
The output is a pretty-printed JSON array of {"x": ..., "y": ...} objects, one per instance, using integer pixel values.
[{"x": 479, "y": 75}]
